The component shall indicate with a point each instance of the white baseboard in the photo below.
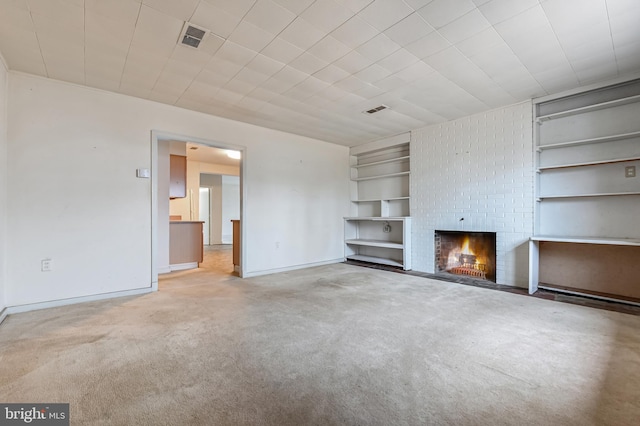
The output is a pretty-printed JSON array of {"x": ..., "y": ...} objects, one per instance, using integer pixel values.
[
  {"x": 3, "y": 314},
  {"x": 183, "y": 266},
  {"x": 290, "y": 268},
  {"x": 164, "y": 270},
  {"x": 10, "y": 310}
]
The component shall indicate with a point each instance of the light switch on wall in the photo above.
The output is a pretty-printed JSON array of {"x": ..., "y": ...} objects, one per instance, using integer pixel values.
[
  {"x": 142, "y": 173},
  {"x": 630, "y": 171}
]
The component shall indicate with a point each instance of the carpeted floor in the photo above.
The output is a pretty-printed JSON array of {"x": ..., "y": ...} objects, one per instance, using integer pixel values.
[{"x": 331, "y": 345}]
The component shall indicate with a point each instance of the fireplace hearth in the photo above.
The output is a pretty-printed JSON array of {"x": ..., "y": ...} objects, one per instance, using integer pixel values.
[{"x": 472, "y": 254}]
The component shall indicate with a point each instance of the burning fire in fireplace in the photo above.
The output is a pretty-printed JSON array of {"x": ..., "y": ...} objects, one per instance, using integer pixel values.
[
  {"x": 466, "y": 253},
  {"x": 463, "y": 261}
]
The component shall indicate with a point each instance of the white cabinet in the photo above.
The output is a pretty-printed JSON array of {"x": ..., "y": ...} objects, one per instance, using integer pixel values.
[
  {"x": 587, "y": 187},
  {"x": 379, "y": 231}
]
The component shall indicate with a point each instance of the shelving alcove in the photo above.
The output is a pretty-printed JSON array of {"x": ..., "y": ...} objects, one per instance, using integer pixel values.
[
  {"x": 379, "y": 229},
  {"x": 587, "y": 150}
]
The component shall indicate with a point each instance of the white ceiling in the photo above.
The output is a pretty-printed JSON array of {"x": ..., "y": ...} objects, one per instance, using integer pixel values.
[
  {"x": 209, "y": 155},
  {"x": 311, "y": 67}
]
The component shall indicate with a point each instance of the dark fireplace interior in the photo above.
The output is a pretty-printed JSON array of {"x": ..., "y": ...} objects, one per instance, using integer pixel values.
[{"x": 472, "y": 254}]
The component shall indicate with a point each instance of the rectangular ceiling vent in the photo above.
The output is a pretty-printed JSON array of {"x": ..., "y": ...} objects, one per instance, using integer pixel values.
[
  {"x": 192, "y": 35},
  {"x": 376, "y": 109}
]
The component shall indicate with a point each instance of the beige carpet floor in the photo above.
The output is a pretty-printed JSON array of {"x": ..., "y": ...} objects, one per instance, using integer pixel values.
[{"x": 331, "y": 345}]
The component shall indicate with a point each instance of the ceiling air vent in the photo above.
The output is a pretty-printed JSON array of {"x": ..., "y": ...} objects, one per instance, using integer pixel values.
[
  {"x": 191, "y": 35},
  {"x": 376, "y": 109}
]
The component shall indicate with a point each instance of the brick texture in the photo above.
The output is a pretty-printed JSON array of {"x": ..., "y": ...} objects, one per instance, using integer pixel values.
[{"x": 476, "y": 174}]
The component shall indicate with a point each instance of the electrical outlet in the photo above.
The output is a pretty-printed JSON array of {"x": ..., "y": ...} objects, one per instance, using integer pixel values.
[
  {"x": 46, "y": 265},
  {"x": 630, "y": 171}
]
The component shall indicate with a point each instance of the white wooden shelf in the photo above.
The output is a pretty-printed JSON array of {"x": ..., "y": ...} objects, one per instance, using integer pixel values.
[
  {"x": 588, "y": 163},
  {"x": 374, "y": 259},
  {"x": 376, "y": 163},
  {"x": 601, "y": 194},
  {"x": 589, "y": 141},
  {"x": 583, "y": 240},
  {"x": 381, "y": 176},
  {"x": 378, "y": 218},
  {"x": 380, "y": 197},
  {"x": 588, "y": 108},
  {"x": 373, "y": 200},
  {"x": 375, "y": 243},
  {"x": 582, "y": 195}
]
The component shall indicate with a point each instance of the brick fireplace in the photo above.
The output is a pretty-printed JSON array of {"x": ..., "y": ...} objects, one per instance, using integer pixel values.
[{"x": 471, "y": 254}]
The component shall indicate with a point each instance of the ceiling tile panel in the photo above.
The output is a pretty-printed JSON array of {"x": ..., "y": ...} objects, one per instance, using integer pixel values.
[
  {"x": 252, "y": 77},
  {"x": 410, "y": 29},
  {"x": 180, "y": 9},
  {"x": 382, "y": 14},
  {"x": 235, "y": 53},
  {"x": 378, "y": 47},
  {"x": 270, "y": 16},
  {"x": 439, "y": 13},
  {"x": 124, "y": 12},
  {"x": 353, "y": 62},
  {"x": 308, "y": 64},
  {"x": 302, "y": 33},
  {"x": 282, "y": 51},
  {"x": 428, "y": 45},
  {"x": 354, "y": 32},
  {"x": 265, "y": 65},
  {"x": 415, "y": 72},
  {"x": 250, "y": 36},
  {"x": 329, "y": 49},
  {"x": 497, "y": 11},
  {"x": 464, "y": 27},
  {"x": 326, "y": 15},
  {"x": 372, "y": 74},
  {"x": 398, "y": 60},
  {"x": 215, "y": 19},
  {"x": 417, "y": 4},
  {"x": 295, "y": 6},
  {"x": 331, "y": 74}
]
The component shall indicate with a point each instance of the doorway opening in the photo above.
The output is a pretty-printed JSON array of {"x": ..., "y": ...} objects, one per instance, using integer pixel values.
[{"x": 196, "y": 206}]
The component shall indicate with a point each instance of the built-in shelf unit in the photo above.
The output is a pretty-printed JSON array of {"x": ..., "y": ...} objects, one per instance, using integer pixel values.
[
  {"x": 587, "y": 149},
  {"x": 379, "y": 229}
]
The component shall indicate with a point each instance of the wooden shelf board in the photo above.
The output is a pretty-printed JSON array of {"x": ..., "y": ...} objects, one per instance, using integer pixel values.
[
  {"x": 373, "y": 200},
  {"x": 373, "y": 259},
  {"x": 375, "y": 163},
  {"x": 594, "y": 107},
  {"x": 588, "y": 240},
  {"x": 374, "y": 243},
  {"x": 604, "y": 194},
  {"x": 589, "y": 141},
  {"x": 589, "y": 163},
  {"x": 377, "y": 218},
  {"x": 380, "y": 176}
]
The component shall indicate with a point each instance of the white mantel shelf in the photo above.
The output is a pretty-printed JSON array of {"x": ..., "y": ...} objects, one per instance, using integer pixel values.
[{"x": 588, "y": 240}]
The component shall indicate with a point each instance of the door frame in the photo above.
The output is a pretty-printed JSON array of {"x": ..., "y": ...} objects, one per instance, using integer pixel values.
[{"x": 160, "y": 135}]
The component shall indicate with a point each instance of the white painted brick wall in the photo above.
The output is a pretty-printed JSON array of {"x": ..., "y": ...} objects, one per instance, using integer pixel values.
[{"x": 479, "y": 168}]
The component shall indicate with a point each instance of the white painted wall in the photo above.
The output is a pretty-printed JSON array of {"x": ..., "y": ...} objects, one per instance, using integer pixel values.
[
  {"x": 230, "y": 206},
  {"x": 74, "y": 196},
  {"x": 3, "y": 181},
  {"x": 479, "y": 168}
]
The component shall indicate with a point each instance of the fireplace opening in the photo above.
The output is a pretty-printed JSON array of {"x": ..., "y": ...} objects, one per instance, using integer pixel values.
[{"x": 471, "y": 254}]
